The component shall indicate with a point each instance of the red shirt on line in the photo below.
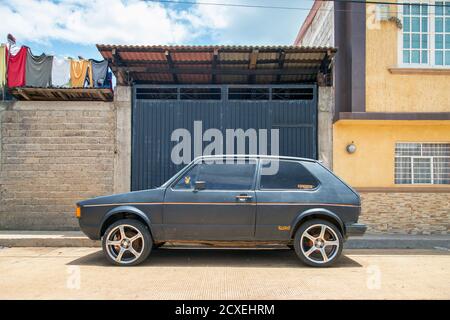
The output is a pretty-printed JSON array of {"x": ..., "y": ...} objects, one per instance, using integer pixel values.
[{"x": 16, "y": 67}]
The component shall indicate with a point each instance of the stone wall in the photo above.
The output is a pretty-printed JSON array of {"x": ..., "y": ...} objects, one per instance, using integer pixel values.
[
  {"x": 406, "y": 213},
  {"x": 52, "y": 155}
]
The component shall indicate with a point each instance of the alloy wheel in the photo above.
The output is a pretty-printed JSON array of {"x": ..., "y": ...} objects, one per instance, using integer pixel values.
[
  {"x": 319, "y": 243},
  {"x": 125, "y": 244}
]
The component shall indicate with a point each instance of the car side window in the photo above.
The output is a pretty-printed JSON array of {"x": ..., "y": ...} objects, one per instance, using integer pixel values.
[
  {"x": 223, "y": 175},
  {"x": 188, "y": 179},
  {"x": 290, "y": 175}
]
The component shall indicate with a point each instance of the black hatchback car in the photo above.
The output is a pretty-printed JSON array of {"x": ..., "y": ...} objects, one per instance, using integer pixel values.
[{"x": 233, "y": 200}]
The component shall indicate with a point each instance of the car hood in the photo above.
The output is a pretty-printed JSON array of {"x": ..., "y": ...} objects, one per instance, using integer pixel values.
[{"x": 146, "y": 196}]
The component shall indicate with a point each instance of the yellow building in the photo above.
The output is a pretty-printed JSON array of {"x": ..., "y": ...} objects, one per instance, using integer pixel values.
[{"x": 391, "y": 130}]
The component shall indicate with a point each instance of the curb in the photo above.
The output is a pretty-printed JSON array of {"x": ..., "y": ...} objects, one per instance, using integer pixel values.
[
  {"x": 46, "y": 239},
  {"x": 398, "y": 242},
  {"x": 49, "y": 243}
]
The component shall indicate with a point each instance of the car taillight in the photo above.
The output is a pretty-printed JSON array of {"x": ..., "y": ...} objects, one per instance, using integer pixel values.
[{"x": 78, "y": 212}]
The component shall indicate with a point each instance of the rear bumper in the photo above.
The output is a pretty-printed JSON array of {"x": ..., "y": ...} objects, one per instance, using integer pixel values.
[{"x": 355, "y": 229}]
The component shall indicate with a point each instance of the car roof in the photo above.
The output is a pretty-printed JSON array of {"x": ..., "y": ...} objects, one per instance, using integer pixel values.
[{"x": 257, "y": 156}]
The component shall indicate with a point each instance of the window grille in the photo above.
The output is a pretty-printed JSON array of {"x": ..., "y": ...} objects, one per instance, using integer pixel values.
[
  {"x": 200, "y": 94},
  {"x": 248, "y": 94},
  {"x": 292, "y": 94},
  {"x": 157, "y": 93},
  {"x": 422, "y": 163}
]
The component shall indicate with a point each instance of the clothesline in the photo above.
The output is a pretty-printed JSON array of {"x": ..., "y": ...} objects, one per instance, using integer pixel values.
[{"x": 19, "y": 67}]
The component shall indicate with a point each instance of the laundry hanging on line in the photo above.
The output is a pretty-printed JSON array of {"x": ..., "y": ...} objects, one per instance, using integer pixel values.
[
  {"x": 80, "y": 73},
  {"x": 19, "y": 67},
  {"x": 38, "y": 70},
  {"x": 108, "y": 80},
  {"x": 13, "y": 48},
  {"x": 60, "y": 72},
  {"x": 99, "y": 72},
  {"x": 2, "y": 66},
  {"x": 16, "y": 67}
]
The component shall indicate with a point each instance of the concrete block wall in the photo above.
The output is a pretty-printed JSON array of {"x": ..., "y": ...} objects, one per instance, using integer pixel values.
[
  {"x": 406, "y": 212},
  {"x": 52, "y": 155}
]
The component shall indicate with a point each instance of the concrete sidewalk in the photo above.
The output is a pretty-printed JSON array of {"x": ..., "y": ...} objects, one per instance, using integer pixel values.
[{"x": 78, "y": 239}]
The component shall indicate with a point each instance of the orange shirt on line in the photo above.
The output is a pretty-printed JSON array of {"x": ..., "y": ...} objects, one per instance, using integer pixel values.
[{"x": 78, "y": 71}]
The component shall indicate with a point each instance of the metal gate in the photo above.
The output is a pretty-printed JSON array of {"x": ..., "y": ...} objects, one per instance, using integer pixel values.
[{"x": 159, "y": 110}]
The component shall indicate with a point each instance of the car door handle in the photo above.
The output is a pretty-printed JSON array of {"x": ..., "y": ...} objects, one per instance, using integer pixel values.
[{"x": 243, "y": 197}]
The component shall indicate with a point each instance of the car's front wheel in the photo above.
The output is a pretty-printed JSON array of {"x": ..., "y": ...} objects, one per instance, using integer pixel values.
[
  {"x": 127, "y": 242},
  {"x": 318, "y": 243}
]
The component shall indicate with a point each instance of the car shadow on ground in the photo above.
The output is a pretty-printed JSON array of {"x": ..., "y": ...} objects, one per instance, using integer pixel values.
[{"x": 237, "y": 258}]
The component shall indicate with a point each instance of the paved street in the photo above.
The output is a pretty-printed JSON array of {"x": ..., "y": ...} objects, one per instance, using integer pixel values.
[{"x": 82, "y": 273}]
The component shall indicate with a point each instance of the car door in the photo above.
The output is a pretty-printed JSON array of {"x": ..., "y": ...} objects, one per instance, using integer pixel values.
[
  {"x": 223, "y": 210},
  {"x": 285, "y": 188}
]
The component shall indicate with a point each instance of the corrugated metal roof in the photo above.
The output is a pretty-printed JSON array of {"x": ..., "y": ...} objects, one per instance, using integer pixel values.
[
  {"x": 217, "y": 64},
  {"x": 192, "y": 48},
  {"x": 234, "y": 56}
]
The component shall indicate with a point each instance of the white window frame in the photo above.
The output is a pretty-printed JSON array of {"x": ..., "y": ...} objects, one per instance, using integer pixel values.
[
  {"x": 412, "y": 164},
  {"x": 412, "y": 169},
  {"x": 431, "y": 37}
]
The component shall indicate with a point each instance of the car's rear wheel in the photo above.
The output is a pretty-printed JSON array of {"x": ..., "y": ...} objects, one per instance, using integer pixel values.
[
  {"x": 318, "y": 243},
  {"x": 127, "y": 242}
]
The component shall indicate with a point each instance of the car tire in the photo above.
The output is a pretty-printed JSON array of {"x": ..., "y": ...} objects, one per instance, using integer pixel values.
[
  {"x": 127, "y": 242},
  {"x": 318, "y": 243}
]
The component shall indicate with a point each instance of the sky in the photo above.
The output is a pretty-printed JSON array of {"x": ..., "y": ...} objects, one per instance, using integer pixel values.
[{"x": 72, "y": 28}]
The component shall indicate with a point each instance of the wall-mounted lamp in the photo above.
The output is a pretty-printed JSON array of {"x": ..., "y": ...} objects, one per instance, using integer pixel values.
[{"x": 351, "y": 148}]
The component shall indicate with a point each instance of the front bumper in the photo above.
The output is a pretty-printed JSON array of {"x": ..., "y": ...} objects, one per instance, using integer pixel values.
[
  {"x": 90, "y": 230},
  {"x": 355, "y": 229}
]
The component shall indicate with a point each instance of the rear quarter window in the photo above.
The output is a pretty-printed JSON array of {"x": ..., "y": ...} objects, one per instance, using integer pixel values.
[{"x": 291, "y": 175}]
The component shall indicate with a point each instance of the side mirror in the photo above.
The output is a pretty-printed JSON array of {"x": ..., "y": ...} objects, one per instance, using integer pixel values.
[{"x": 199, "y": 185}]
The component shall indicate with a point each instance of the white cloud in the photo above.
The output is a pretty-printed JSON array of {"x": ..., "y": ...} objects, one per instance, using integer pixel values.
[
  {"x": 140, "y": 22},
  {"x": 89, "y": 22},
  {"x": 254, "y": 25}
]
